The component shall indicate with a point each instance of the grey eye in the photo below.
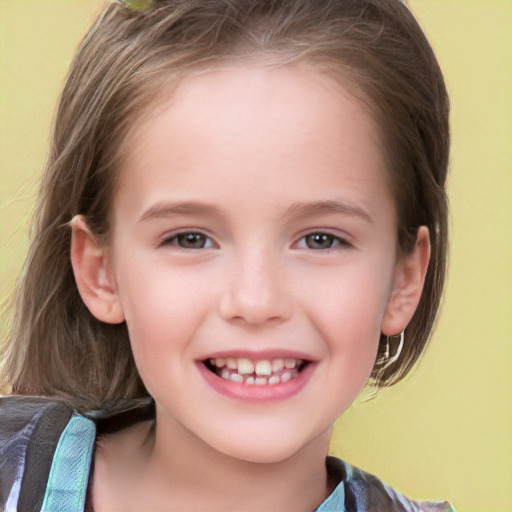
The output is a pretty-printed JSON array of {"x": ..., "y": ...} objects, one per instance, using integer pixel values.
[
  {"x": 191, "y": 240},
  {"x": 321, "y": 241}
]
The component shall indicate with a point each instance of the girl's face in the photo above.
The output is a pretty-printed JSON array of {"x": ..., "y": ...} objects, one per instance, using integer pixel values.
[{"x": 253, "y": 257}]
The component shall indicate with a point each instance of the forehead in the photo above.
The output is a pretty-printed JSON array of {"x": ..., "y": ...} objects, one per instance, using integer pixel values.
[{"x": 255, "y": 123}]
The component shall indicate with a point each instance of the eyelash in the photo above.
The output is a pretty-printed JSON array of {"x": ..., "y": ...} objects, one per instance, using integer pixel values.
[
  {"x": 175, "y": 240},
  {"x": 321, "y": 236},
  {"x": 305, "y": 242}
]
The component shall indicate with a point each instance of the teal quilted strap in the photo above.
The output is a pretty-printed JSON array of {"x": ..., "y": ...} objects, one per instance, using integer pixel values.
[
  {"x": 67, "y": 483},
  {"x": 335, "y": 502}
]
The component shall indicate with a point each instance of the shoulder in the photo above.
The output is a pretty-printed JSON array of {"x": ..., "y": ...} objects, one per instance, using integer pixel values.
[
  {"x": 32, "y": 431},
  {"x": 364, "y": 492},
  {"x": 46, "y": 449}
]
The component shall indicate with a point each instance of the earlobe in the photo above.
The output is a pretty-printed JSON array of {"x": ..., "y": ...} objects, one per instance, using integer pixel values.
[
  {"x": 408, "y": 284},
  {"x": 92, "y": 274}
]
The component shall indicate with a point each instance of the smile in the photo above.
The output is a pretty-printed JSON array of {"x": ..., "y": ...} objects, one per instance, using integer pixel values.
[{"x": 263, "y": 372}]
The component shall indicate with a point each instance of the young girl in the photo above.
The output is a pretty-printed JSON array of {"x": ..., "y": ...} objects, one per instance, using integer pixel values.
[{"x": 242, "y": 222}]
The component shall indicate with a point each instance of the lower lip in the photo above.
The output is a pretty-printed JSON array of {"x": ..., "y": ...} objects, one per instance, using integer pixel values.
[{"x": 254, "y": 393}]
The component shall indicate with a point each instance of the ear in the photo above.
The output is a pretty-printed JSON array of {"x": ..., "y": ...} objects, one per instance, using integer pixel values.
[
  {"x": 93, "y": 275},
  {"x": 408, "y": 282}
]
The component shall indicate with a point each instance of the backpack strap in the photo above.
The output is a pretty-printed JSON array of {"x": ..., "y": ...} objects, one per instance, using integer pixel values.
[
  {"x": 69, "y": 475},
  {"x": 358, "y": 491},
  {"x": 35, "y": 435}
]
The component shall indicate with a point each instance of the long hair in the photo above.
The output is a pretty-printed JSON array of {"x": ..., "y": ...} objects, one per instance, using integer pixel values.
[{"x": 130, "y": 57}]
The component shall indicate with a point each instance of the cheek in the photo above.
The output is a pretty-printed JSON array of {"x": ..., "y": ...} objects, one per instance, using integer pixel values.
[
  {"x": 347, "y": 309},
  {"x": 163, "y": 308},
  {"x": 349, "y": 305}
]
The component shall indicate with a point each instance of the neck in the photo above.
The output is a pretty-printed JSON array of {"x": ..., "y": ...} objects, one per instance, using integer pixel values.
[
  {"x": 175, "y": 470},
  {"x": 225, "y": 483}
]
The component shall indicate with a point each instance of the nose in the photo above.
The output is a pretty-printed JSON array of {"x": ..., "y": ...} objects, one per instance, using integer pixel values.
[{"x": 256, "y": 290}]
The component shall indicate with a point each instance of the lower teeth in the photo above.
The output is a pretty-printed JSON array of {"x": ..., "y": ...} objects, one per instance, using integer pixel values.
[{"x": 257, "y": 380}]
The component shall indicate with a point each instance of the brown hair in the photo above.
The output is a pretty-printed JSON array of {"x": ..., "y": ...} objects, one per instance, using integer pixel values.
[{"x": 56, "y": 347}]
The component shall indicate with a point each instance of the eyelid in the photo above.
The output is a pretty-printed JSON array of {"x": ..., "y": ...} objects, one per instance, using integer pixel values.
[
  {"x": 169, "y": 237},
  {"x": 344, "y": 241}
]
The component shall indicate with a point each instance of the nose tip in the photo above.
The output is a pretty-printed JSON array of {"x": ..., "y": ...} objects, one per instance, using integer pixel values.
[
  {"x": 253, "y": 311},
  {"x": 256, "y": 295}
]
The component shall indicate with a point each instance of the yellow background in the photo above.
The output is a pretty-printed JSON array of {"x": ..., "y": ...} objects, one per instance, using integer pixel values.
[{"x": 446, "y": 432}]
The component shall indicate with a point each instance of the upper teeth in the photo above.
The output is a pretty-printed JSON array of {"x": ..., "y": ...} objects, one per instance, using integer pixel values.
[{"x": 261, "y": 368}]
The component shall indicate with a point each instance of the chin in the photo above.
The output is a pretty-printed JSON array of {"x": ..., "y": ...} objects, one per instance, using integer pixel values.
[
  {"x": 257, "y": 454},
  {"x": 271, "y": 448}
]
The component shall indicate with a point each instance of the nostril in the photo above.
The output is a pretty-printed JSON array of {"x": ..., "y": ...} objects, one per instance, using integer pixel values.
[{"x": 255, "y": 298}]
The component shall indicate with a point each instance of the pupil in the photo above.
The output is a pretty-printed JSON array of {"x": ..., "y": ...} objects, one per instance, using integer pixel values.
[
  {"x": 320, "y": 240},
  {"x": 192, "y": 240}
]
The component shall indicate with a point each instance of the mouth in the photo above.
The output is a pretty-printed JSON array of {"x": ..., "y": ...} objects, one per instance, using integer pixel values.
[{"x": 261, "y": 372}]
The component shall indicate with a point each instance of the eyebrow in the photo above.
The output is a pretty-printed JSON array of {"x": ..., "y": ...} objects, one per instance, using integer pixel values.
[
  {"x": 166, "y": 209},
  {"x": 169, "y": 209},
  {"x": 328, "y": 207}
]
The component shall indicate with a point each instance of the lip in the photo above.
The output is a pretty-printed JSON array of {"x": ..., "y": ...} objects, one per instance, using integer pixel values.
[
  {"x": 257, "y": 394},
  {"x": 259, "y": 355}
]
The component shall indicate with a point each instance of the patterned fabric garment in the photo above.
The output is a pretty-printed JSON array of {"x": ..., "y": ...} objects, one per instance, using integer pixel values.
[{"x": 46, "y": 450}]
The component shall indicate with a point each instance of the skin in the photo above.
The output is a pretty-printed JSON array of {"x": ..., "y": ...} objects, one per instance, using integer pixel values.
[{"x": 257, "y": 280}]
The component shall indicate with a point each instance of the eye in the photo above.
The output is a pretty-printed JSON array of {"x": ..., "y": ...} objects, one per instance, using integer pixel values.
[
  {"x": 190, "y": 240},
  {"x": 321, "y": 241}
]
